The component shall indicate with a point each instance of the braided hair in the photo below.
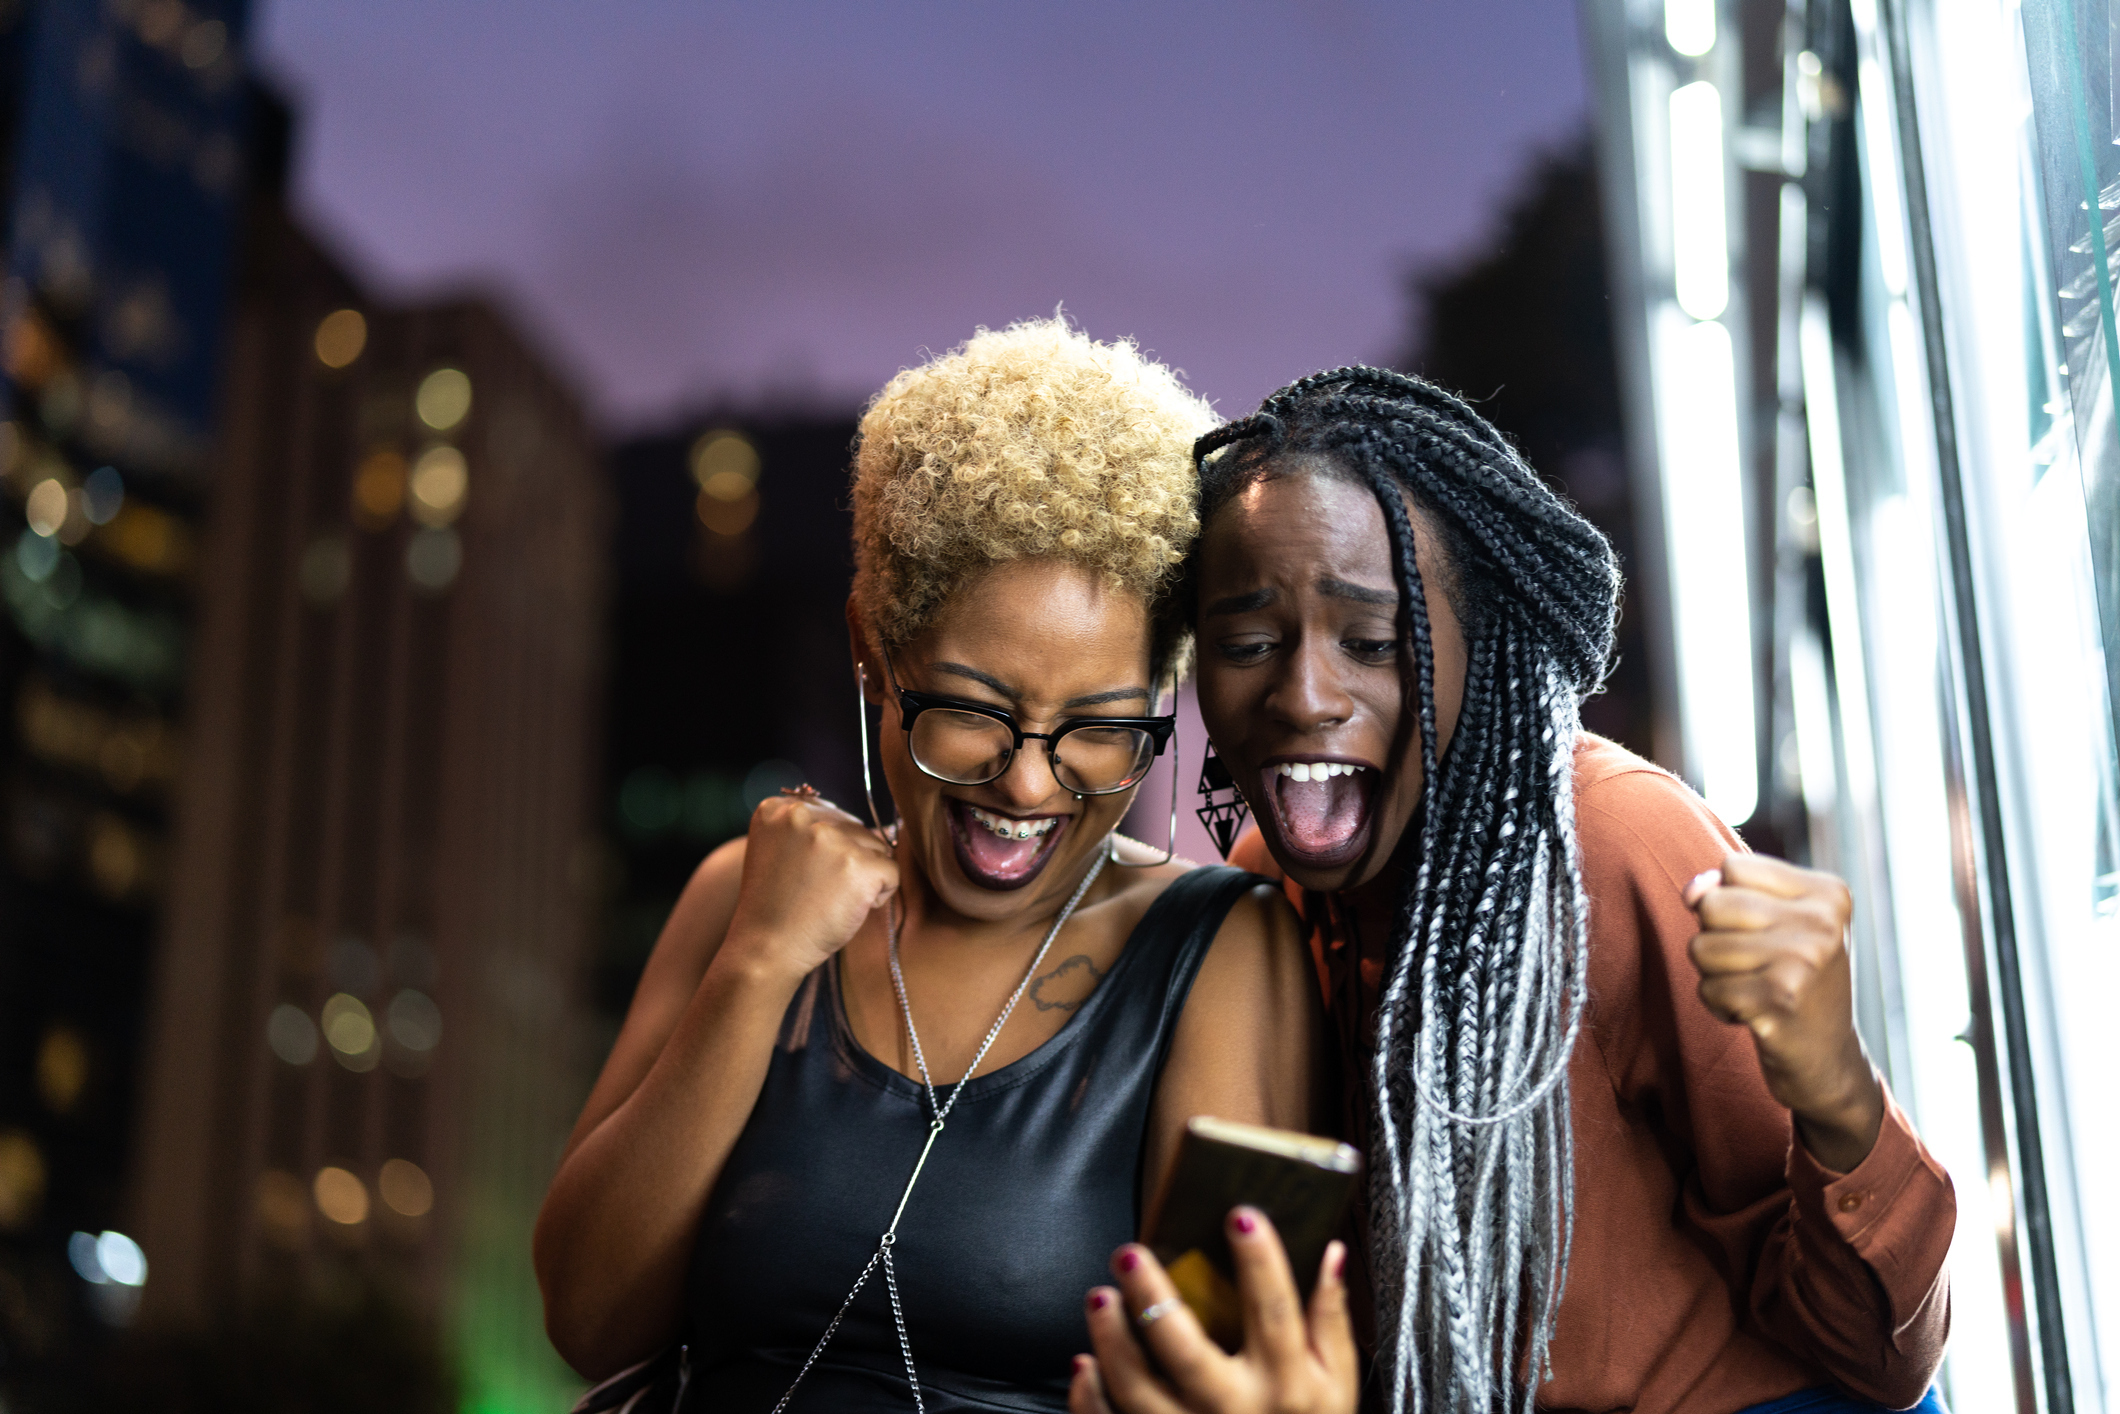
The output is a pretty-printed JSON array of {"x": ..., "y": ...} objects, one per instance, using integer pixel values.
[{"x": 1471, "y": 1174}]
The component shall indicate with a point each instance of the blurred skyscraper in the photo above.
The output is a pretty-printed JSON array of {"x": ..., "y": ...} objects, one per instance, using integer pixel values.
[
  {"x": 302, "y": 663},
  {"x": 730, "y": 672},
  {"x": 121, "y": 125},
  {"x": 365, "y": 1051}
]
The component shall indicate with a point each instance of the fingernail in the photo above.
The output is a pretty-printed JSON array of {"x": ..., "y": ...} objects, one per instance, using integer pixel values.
[
  {"x": 1081, "y": 1363},
  {"x": 1098, "y": 1300},
  {"x": 1129, "y": 1259},
  {"x": 1336, "y": 1260},
  {"x": 1243, "y": 1221},
  {"x": 1705, "y": 880}
]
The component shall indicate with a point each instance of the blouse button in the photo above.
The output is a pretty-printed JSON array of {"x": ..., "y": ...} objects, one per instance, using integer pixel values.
[{"x": 1849, "y": 1202}]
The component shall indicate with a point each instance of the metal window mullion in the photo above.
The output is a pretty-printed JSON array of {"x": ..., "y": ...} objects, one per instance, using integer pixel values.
[{"x": 1980, "y": 855}]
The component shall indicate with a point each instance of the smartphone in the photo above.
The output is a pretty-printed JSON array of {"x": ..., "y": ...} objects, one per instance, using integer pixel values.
[{"x": 1301, "y": 1182}]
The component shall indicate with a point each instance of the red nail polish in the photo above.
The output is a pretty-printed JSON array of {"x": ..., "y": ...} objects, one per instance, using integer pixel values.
[
  {"x": 1129, "y": 1259},
  {"x": 1098, "y": 1300},
  {"x": 1339, "y": 1261},
  {"x": 1244, "y": 1221}
]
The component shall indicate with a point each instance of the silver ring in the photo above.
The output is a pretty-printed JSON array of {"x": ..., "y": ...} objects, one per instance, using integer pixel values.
[{"x": 1152, "y": 1314}]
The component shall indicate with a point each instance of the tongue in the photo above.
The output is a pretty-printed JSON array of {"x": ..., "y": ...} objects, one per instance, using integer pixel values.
[
  {"x": 1320, "y": 816},
  {"x": 996, "y": 856}
]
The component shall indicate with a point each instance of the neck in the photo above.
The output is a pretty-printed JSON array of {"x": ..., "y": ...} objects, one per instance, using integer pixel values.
[{"x": 1368, "y": 909}]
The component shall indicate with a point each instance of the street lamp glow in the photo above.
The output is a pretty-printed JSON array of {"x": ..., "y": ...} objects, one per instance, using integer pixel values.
[
  {"x": 1711, "y": 601},
  {"x": 1700, "y": 243},
  {"x": 1689, "y": 25}
]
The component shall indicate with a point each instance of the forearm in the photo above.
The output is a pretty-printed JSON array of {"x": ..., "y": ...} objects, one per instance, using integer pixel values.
[{"x": 616, "y": 1230}]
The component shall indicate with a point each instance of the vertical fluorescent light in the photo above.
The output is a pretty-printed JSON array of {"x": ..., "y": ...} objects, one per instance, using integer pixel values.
[
  {"x": 1690, "y": 26},
  {"x": 1711, "y": 599},
  {"x": 1836, "y": 551},
  {"x": 1700, "y": 242}
]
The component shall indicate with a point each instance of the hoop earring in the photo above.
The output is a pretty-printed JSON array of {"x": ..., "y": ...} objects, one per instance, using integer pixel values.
[
  {"x": 861, "y": 727},
  {"x": 1222, "y": 808}
]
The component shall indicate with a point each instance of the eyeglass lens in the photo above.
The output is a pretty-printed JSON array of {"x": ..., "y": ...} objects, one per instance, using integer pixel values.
[{"x": 967, "y": 749}]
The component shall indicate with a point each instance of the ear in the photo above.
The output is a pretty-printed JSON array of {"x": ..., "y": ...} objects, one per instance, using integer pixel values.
[{"x": 868, "y": 659}]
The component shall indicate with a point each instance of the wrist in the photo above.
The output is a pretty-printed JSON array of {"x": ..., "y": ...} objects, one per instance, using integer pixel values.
[
  {"x": 751, "y": 960},
  {"x": 1841, "y": 1131}
]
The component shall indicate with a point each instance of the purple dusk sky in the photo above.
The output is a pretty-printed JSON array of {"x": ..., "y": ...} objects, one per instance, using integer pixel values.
[{"x": 688, "y": 201}]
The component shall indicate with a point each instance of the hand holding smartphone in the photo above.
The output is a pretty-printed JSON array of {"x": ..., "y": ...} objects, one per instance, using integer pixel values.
[{"x": 1302, "y": 1183}]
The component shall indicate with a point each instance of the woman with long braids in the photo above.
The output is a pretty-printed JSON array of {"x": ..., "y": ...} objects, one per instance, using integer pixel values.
[
  {"x": 885, "y": 1099},
  {"x": 1626, "y": 1149}
]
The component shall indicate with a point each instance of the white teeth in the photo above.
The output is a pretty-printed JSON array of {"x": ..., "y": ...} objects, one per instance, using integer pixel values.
[
  {"x": 1316, "y": 770},
  {"x": 1014, "y": 829}
]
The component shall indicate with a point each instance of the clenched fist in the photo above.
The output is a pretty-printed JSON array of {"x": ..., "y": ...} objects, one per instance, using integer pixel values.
[
  {"x": 812, "y": 875},
  {"x": 1773, "y": 957}
]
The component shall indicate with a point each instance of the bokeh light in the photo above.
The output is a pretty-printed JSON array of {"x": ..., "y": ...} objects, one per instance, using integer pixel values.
[
  {"x": 22, "y": 1178},
  {"x": 46, "y": 507},
  {"x": 117, "y": 856},
  {"x": 727, "y": 517},
  {"x": 107, "y": 1257},
  {"x": 283, "y": 1208},
  {"x": 439, "y": 480},
  {"x": 62, "y": 1068},
  {"x": 405, "y": 1188},
  {"x": 122, "y": 1260},
  {"x": 432, "y": 558},
  {"x": 724, "y": 464},
  {"x": 340, "y": 1196},
  {"x": 379, "y": 488},
  {"x": 291, "y": 1034},
  {"x": 341, "y": 335},
  {"x": 148, "y": 539},
  {"x": 444, "y": 398},
  {"x": 349, "y": 1029},
  {"x": 204, "y": 43},
  {"x": 102, "y": 495},
  {"x": 36, "y": 556},
  {"x": 414, "y": 1021}
]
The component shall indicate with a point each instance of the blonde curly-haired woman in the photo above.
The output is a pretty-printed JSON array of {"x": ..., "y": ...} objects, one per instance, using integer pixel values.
[{"x": 940, "y": 1065}]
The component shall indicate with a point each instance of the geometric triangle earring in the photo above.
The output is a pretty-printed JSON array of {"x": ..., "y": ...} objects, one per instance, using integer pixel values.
[{"x": 1222, "y": 809}]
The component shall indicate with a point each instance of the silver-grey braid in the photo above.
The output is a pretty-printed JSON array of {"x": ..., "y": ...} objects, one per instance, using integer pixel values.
[{"x": 1471, "y": 1200}]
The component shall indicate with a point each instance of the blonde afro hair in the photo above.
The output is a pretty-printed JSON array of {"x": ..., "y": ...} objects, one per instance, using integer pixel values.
[{"x": 1035, "y": 441}]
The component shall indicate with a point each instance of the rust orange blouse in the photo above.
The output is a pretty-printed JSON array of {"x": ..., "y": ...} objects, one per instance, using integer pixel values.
[{"x": 1716, "y": 1264}]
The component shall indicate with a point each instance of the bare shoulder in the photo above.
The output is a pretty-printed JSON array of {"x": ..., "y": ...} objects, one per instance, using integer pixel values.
[
  {"x": 1260, "y": 945},
  {"x": 1249, "y": 1042}
]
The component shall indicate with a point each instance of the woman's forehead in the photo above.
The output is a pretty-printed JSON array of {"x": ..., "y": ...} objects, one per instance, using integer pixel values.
[
  {"x": 1047, "y": 629},
  {"x": 1303, "y": 517}
]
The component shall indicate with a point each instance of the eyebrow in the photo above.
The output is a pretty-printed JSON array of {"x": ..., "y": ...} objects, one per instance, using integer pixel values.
[
  {"x": 1341, "y": 589},
  {"x": 994, "y": 684},
  {"x": 1335, "y": 588},
  {"x": 1240, "y": 603}
]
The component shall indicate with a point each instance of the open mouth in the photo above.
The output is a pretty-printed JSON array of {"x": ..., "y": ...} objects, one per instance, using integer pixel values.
[
  {"x": 1002, "y": 851},
  {"x": 1321, "y": 808}
]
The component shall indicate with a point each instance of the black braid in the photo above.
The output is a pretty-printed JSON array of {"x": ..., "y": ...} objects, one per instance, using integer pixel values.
[{"x": 1472, "y": 1173}]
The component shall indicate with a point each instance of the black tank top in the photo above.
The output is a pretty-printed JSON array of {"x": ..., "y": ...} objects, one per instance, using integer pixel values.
[{"x": 1028, "y": 1190}]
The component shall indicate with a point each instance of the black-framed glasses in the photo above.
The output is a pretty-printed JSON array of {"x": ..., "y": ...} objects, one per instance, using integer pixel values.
[{"x": 970, "y": 743}]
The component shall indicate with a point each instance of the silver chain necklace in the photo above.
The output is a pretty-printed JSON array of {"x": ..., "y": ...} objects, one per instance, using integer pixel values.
[{"x": 941, "y": 1112}]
